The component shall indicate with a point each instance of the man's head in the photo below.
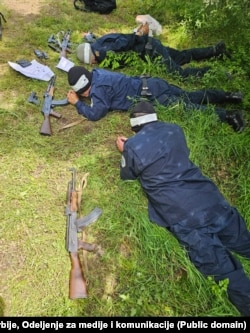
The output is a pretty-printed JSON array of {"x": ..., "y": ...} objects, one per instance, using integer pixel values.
[
  {"x": 143, "y": 113},
  {"x": 84, "y": 53},
  {"x": 79, "y": 79}
]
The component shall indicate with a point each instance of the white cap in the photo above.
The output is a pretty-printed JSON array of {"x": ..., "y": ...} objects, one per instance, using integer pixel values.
[{"x": 84, "y": 53}]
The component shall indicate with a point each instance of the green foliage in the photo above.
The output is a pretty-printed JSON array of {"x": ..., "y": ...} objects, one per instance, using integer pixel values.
[
  {"x": 131, "y": 61},
  {"x": 218, "y": 289},
  {"x": 226, "y": 18},
  {"x": 120, "y": 60}
]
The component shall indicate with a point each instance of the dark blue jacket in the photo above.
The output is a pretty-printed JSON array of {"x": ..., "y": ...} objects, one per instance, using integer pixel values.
[
  {"x": 109, "y": 91},
  {"x": 177, "y": 191},
  {"x": 188, "y": 204},
  {"x": 118, "y": 43},
  {"x": 116, "y": 91},
  {"x": 172, "y": 59}
]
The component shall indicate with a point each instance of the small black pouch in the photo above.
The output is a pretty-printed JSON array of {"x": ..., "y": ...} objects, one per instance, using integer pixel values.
[{"x": 23, "y": 62}]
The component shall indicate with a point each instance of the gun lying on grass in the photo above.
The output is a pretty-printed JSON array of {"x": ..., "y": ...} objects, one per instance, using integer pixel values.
[
  {"x": 77, "y": 282},
  {"x": 62, "y": 45},
  {"x": 48, "y": 105},
  {"x": 65, "y": 46}
]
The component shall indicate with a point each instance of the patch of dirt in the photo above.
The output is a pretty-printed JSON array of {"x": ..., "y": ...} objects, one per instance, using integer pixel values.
[{"x": 24, "y": 7}]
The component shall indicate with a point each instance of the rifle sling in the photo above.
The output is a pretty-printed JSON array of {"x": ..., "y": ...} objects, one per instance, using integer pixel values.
[{"x": 71, "y": 124}]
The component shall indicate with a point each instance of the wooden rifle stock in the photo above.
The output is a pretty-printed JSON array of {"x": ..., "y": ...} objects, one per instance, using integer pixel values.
[
  {"x": 47, "y": 109},
  {"x": 77, "y": 283},
  {"x": 46, "y": 125}
]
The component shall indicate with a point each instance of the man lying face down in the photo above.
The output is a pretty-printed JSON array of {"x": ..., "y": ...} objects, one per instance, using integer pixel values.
[
  {"x": 210, "y": 231},
  {"x": 100, "y": 91}
]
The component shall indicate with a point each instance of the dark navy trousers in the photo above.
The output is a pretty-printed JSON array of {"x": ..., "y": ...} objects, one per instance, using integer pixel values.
[
  {"x": 186, "y": 56},
  {"x": 168, "y": 94},
  {"x": 174, "y": 59},
  {"x": 211, "y": 251}
]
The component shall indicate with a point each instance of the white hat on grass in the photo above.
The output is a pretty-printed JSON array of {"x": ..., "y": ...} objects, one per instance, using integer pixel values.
[{"x": 84, "y": 53}]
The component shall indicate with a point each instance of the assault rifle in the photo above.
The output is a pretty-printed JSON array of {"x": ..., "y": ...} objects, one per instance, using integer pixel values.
[
  {"x": 65, "y": 46},
  {"x": 77, "y": 282},
  {"x": 47, "y": 108},
  {"x": 60, "y": 45}
]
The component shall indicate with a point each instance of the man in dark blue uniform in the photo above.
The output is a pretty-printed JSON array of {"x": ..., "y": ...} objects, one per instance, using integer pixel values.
[
  {"x": 185, "y": 202},
  {"x": 110, "y": 91},
  {"x": 91, "y": 53}
]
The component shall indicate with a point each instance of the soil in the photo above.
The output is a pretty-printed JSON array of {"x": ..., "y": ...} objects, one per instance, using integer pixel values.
[{"x": 24, "y": 7}]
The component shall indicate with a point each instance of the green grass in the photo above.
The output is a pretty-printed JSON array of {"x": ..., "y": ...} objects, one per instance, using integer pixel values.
[{"x": 143, "y": 271}]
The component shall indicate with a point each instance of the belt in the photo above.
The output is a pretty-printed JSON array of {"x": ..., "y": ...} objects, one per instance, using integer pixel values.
[
  {"x": 149, "y": 46},
  {"x": 145, "y": 89}
]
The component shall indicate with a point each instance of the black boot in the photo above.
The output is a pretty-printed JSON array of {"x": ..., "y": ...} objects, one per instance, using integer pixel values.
[
  {"x": 220, "y": 49},
  {"x": 235, "y": 119},
  {"x": 234, "y": 97}
]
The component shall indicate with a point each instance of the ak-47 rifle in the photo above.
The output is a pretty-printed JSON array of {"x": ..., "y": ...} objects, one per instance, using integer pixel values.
[
  {"x": 61, "y": 45},
  {"x": 48, "y": 105},
  {"x": 77, "y": 282},
  {"x": 65, "y": 46}
]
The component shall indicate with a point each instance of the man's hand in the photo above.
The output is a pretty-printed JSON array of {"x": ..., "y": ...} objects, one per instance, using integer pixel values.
[
  {"x": 72, "y": 97},
  {"x": 120, "y": 143}
]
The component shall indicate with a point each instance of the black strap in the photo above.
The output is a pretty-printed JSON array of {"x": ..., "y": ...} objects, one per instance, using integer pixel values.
[
  {"x": 149, "y": 46},
  {"x": 1, "y": 15},
  {"x": 77, "y": 7}
]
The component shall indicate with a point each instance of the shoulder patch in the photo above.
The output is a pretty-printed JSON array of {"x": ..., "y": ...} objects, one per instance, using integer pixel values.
[{"x": 123, "y": 162}]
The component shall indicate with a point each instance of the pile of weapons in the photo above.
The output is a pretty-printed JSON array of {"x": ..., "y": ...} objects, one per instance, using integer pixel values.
[{"x": 60, "y": 43}]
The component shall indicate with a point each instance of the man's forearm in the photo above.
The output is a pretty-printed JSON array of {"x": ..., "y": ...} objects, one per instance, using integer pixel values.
[{"x": 91, "y": 113}]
